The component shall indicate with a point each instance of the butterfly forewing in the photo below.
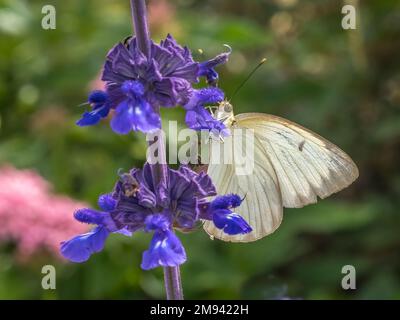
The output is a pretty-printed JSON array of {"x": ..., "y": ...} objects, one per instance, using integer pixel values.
[
  {"x": 292, "y": 167},
  {"x": 306, "y": 164}
]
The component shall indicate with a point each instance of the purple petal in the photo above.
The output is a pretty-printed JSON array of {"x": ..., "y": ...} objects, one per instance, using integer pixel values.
[
  {"x": 207, "y": 68},
  {"x": 160, "y": 190},
  {"x": 183, "y": 193},
  {"x": 207, "y": 187},
  {"x": 153, "y": 73},
  {"x": 157, "y": 222},
  {"x": 140, "y": 117},
  {"x": 98, "y": 96},
  {"x": 226, "y": 202},
  {"x": 183, "y": 89},
  {"x": 165, "y": 250},
  {"x": 123, "y": 118},
  {"x": 91, "y": 216},
  {"x": 204, "y": 96},
  {"x": 145, "y": 118},
  {"x": 125, "y": 232},
  {"x": 204, "y": 210},
  {"x": 89, "y": 119},
  {"x": 142, "y": 180},
  {"x": 165, "y": 92},
  {"x": 200, "y": 119},
  {"x": 118, "y": 66},
  {"x": 231, "y": 223},
  {"x": 80, "y": 248},
  {"x": 188, "y": 72},
  {"x": 133, "y": 89},
  {"x": 214, "y": 62},
  {"x": 107, "y": 202},
  {"x": 211, "y": 76}
]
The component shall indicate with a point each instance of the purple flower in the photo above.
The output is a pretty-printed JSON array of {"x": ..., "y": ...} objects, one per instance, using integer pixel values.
[
  {"x": 134, "y": 112},
  {"x": 165, "y": 248},
  {"x": 137, "y": 197},
  {"x": 100, "y": 108},
  {"x": 219, "y": 211},
  {"x": 138, "y": 204},
  {"x": 137, "y": 86},
  {"x": 207, "y": 68},
  {"x": 198, "y": 118},
  {"x": 80, "y": 248},
  {"x": 166, "y": 75}
]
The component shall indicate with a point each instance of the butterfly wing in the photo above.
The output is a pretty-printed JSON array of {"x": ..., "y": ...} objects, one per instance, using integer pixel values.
[
  {"x": 262, "y": 206},
  {"x": 306, "y": 164},
  {"x": 289, "y": 159}
]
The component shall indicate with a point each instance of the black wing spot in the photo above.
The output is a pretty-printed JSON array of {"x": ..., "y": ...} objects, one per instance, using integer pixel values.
[{"x": 301, "y": 145}]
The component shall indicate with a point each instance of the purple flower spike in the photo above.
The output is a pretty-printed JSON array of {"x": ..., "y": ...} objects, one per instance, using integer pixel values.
[
  {"x": 137, "y": 85},
  {"x": 135, "y": 205},
  {"x": 137, "y": 198}
]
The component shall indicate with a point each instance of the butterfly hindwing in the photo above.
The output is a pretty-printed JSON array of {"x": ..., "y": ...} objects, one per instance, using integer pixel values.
[{"x": 262, "y": 204}]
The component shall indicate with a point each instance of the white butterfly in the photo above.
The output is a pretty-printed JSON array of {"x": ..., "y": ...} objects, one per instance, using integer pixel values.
[{"x": 292, "y": 167}]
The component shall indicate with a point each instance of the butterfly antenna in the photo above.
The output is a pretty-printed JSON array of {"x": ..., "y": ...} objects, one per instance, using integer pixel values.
[{"x": 248, "y": 77}]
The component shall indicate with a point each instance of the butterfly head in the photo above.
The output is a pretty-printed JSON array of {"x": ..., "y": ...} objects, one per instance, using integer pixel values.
[{"x": 224, "y": 113}]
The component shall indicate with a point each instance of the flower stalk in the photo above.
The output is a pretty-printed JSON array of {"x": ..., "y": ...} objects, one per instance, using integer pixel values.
[
  {"x": 172, "y": 278},
  {"x": 173, "y": 284},
  {"x": 141, "y": 77},
  {"x": 139, "y": 17}
]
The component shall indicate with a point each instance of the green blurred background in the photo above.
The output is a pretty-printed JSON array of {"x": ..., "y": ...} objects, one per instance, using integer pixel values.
[{"x": 343, "y": 84}]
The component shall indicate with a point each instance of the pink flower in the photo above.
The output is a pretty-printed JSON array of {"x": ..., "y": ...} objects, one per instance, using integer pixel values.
[{"x": 31, "y": 216}]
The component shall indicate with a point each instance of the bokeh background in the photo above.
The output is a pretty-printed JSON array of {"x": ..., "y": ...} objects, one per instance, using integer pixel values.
[{"x": 343, "y": 84}]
